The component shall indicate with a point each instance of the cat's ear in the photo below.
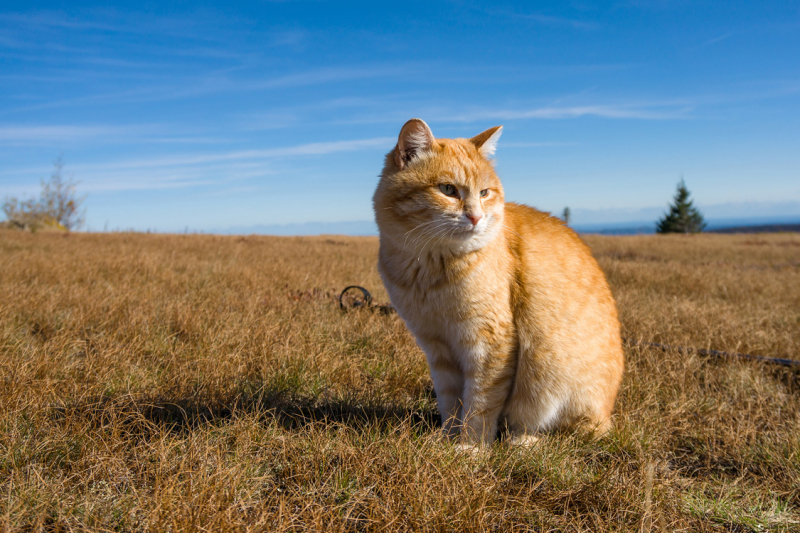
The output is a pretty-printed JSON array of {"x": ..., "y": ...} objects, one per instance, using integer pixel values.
[
  {"x": 486, "y": 142},
  {"x": 415, "y": 137}
]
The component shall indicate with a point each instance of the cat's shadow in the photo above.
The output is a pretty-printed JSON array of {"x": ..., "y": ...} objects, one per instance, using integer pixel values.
[{"x": 290, "y": 410}]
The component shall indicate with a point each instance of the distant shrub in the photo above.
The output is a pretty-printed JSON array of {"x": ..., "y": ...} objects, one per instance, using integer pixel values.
[
  {"x": 682, "y": 217},
  {"x": 58, "y": 207}
]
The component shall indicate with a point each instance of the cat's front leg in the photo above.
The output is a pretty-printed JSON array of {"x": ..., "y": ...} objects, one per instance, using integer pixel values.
[
  {"x": 448, "y": 381},
  {"x": 485, "y": 394}
]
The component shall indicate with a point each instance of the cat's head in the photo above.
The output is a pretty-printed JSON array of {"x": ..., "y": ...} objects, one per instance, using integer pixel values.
[{"x": 436, "y": 193}]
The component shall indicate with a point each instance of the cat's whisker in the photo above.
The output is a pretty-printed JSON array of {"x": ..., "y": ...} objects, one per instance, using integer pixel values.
[
  {"x": 441, "y": 236},
  {"x": 443, "y": 227},
  {"x": 428, "y": 232},
  {"x": 422, "y": 250},
  {"x": 448, "y": 236},
  {"x": 424, "y": 232},
  {"x": 421, "y": 225},
  {"x": 411, "y": 231},
  {"x": 416, "y": 228}
]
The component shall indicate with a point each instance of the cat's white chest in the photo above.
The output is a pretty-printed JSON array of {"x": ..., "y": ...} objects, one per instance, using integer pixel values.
[{"x": 456, "y": 314}]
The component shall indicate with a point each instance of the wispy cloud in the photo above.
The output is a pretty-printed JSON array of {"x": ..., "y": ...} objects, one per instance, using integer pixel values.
[
  {"x": 327, "y": 75},
  {"x": 15, "y": 135},
  {"x": 568, "y": 112},
  {"x": 191, "y": 170},
  {"x": 718, "y": 39},
  {"x": 560, "y": 21},
  {"x": 215, "y": 83},
  {"x": 542, "y": 144},
  {"x": 321, "y": 148},
  {"x": 547, "y": 20},
  {"x": 109, "y": 20},
  {"x": 94, "y": 179},
  {"x": 320, "y": 111},
  {"x": 162, "y": 44},
  {"x": 55, "y": 19},
  {"x": 656, "y": 5},
  {"x": 631, "y": 110},
  {"x": 197, "y": 170}
]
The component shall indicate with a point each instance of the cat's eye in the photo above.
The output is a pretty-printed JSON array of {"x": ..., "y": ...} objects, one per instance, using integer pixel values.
[
  {"x": 448, "y": 189},
  {"x": 484, "y": 193}
]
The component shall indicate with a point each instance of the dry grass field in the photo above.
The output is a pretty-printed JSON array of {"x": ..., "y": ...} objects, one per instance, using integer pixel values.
[{"x": 179, "y": 383}]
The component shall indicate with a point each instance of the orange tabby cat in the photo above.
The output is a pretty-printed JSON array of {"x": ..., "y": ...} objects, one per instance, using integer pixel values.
[{"x": 512, "y": 311}]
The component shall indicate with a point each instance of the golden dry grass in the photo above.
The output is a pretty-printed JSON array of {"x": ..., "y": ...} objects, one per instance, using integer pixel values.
[{"x": 176, "y": 383}]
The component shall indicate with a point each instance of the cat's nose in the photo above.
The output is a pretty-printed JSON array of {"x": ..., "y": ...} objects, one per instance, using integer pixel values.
[{"x": 474, "y": 218}]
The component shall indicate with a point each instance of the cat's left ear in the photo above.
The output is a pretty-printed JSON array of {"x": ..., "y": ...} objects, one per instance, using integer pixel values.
[
  {"x": 486, "y": 142},
  {"x": 415, "y": 138}
]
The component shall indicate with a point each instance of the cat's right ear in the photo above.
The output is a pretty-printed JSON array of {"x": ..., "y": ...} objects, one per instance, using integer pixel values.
[
  {"x": 415, "y": 137},
  {"x": 486, "y": 142}
]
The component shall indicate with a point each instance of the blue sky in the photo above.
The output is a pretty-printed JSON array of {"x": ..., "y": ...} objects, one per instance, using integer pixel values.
[{"x": 216, "y": 115}]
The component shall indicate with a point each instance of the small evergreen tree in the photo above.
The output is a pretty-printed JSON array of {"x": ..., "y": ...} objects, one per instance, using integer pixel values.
[
  {"x": 566, "y": 216},
  {"x": 682, "y": 217}
]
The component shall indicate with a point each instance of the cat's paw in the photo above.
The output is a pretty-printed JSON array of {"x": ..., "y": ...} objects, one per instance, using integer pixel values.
[
  {"x": 526, "y": 440},
  {"x": 473, "y": 450}
]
